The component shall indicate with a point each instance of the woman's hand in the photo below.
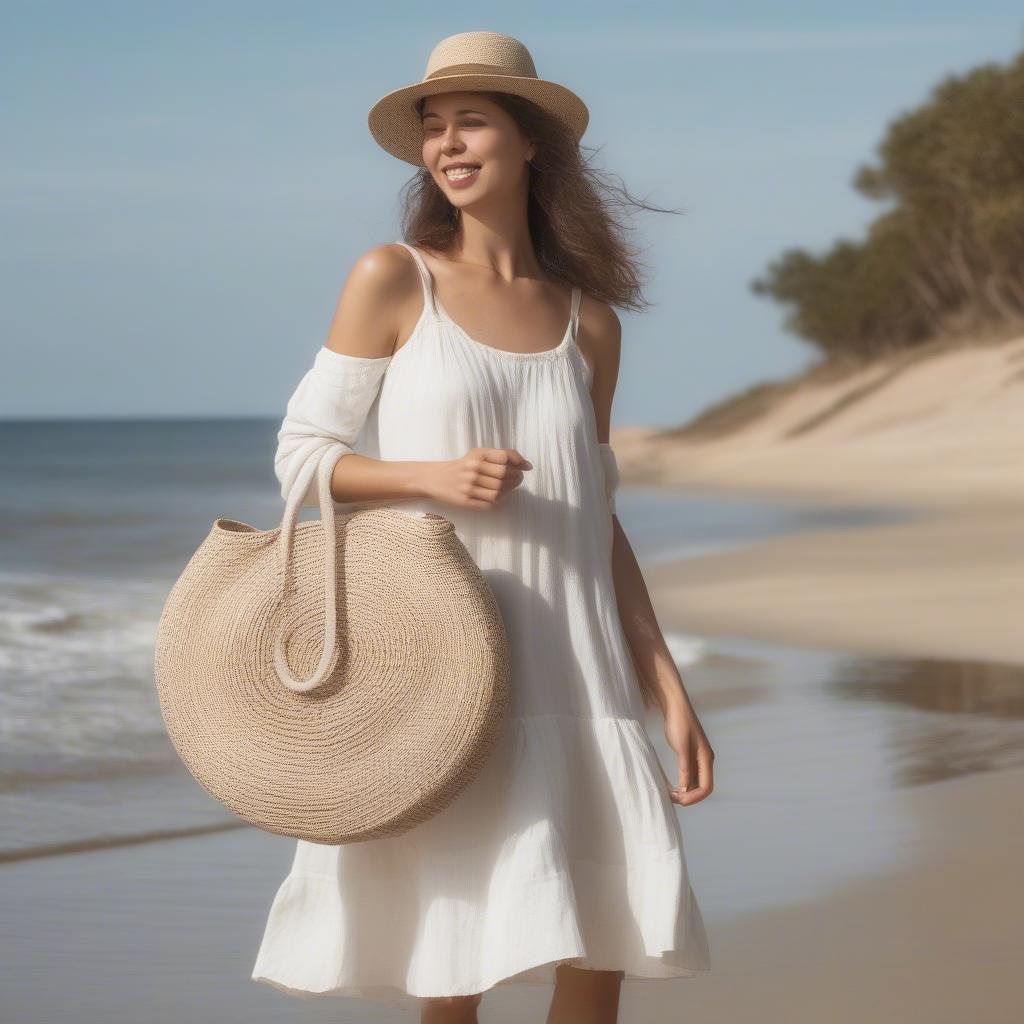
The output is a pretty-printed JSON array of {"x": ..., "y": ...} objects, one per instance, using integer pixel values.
[
  {"x": 696, "y": 758},
  {"x": 479, "y": 479}
]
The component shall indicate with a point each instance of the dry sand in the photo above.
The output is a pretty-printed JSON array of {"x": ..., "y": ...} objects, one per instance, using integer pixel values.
[
  {"x": 936, "y": 425},
  {"x": 949, "y": 584}
]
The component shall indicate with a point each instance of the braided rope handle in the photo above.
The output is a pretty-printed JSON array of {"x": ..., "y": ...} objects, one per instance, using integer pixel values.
[{"x": 323, "y": 467}]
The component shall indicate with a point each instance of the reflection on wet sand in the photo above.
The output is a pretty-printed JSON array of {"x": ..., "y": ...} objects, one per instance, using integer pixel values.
[
  {"x": 929, "y": 684},
  {"x": 972, "y": 721}
]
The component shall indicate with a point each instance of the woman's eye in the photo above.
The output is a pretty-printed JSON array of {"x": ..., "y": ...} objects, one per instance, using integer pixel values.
[{"x": 437, "y": 127}]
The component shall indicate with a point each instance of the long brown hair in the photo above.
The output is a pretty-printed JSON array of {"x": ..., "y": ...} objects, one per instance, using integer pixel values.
[{"x": 577, "y": 237}]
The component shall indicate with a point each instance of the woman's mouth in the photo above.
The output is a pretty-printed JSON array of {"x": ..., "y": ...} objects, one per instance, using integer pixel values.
[{"x": 460, "y": 177}]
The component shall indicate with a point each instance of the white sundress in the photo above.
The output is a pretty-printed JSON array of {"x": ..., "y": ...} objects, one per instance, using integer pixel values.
[{"x": 566, "y": 847}]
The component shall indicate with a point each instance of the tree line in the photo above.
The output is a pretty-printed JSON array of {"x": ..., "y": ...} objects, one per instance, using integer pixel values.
[{"x": 948, "y": 255}]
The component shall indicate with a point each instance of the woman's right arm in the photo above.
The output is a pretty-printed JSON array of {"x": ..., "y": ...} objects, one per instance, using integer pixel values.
[{"x": 346, "y": 378}]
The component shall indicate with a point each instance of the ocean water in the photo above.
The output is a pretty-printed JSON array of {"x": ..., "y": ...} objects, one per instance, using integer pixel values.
[{"x": 97, "y": 520}]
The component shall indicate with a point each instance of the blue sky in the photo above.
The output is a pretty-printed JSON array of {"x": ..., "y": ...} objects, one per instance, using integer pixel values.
[{"x": 184, "y": 187}]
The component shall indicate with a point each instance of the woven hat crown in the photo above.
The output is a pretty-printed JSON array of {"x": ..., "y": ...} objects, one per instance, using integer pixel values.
[{"x": 480, "y": 53}]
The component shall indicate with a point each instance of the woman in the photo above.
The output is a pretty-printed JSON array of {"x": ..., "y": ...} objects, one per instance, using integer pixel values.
[{"x": 479, "y": 363}]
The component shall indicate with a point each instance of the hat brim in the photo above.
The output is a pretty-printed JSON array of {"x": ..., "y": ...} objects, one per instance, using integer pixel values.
[{"x": 395, "y": 124}]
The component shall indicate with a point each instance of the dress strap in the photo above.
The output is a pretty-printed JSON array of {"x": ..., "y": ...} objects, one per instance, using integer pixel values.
[
  {"x": 574, "y": 312},
  {"x": 425, "y": 278}
]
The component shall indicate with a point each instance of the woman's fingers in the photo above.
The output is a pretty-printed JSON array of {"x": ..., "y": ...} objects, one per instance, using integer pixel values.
[
  {"x": 484, "y": 475},
  {"x": 497, "y": 461},
  {"x": 496, "y": 470},
  {"x": 696, "y": 773}
]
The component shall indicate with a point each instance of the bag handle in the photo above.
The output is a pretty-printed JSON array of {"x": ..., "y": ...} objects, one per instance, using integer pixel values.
[{"x": 323, "y": 466}]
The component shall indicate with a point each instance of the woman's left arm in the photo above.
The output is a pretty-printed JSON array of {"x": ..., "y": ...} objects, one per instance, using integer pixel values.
[{"x": 660, "y": 681}]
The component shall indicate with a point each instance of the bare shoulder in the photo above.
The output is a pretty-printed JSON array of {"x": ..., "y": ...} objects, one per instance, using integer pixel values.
[
  {"x": 600, "y": 318},
  {"x": 600, "y": 340},
  {"x": 600, "y": 336},
  {"x": 370, "y": 311}
]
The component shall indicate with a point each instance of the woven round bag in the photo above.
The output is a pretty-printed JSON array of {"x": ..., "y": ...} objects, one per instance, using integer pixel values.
[{"x": 335, "y": 681}]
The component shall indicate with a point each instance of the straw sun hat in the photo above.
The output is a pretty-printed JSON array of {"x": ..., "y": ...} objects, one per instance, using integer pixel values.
[{"x": 470, "y": 61}]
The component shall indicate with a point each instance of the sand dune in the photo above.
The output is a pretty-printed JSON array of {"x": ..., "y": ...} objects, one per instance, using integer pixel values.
[{"x": 940, "y": 424}]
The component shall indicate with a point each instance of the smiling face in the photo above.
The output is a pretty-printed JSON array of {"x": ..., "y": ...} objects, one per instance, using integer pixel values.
[{"x": 468, "y": 130}]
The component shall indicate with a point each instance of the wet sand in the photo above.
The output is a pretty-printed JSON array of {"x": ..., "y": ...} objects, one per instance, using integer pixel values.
[
  {"x": 164, "y": 933},
  {"x": 941, "y": 939}
]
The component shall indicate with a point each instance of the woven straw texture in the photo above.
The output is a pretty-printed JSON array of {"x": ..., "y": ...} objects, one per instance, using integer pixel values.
[
  {"x": 415, "y": 691},
  {"x": 470, "y": 61}
]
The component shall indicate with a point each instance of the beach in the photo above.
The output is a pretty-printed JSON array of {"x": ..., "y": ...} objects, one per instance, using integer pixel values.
[
  {"x": 940, "y": 939},
  {"x": 861, "y": 683},
  {"x": 937, "y": 941},
  {"x": 940, "y": 434},
  {"x": 946, "y": 584},
  {"x": 745, "y": 290},
  {"x": 939, "y": 425}
]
